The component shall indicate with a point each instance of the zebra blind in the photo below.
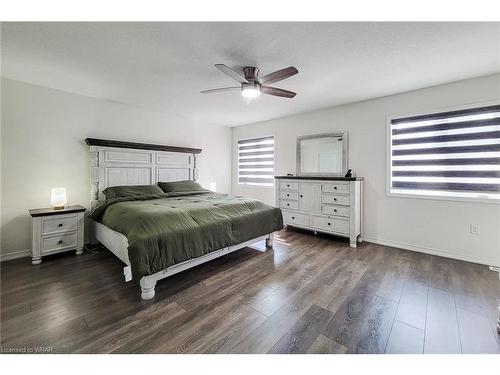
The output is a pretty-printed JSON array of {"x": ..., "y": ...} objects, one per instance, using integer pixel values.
[
  {"x": 453, "y": 153},
  {"x": 256, "y": 161}
]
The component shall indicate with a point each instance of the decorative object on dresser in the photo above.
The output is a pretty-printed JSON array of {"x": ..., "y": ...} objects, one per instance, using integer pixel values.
[
  {"x": 322, "y": 204},
  {"x": 55, "y": 231}
]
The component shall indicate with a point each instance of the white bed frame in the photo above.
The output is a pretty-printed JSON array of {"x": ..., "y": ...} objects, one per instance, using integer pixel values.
[{"x": 114, "y": 163}]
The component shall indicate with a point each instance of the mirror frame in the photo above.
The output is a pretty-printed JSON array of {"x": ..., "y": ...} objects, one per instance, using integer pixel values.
[{"x": 345, "y": 154}]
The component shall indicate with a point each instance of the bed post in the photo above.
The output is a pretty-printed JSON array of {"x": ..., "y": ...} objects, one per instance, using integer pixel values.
[
  {"x": 148, "y": 284},
  {"x": 270, "y": 241}
]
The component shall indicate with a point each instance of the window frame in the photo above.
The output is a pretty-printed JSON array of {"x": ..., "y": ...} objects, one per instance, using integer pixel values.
[
  {"x": 388, "y": 163},
  {"x": 252, "y": 185}
]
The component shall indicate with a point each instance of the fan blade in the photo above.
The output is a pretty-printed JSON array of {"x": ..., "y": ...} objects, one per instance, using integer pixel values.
[
  {"x": 219, "y": 90},
  {"x": 232, "y": 73},
  {"x": 277, "y": 92},
  {"x": 278, "y": 75}
]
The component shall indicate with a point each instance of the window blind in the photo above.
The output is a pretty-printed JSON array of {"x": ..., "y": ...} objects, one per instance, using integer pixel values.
[
  {"x": 256, "y": 161},
  {"x": 454, "y": 153}
]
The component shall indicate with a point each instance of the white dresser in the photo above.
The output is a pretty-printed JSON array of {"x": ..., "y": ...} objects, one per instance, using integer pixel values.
[{"x": 322, "y": 204}]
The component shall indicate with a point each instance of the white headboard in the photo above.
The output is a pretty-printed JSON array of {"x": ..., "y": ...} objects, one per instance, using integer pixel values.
[{"x": 117, "y": 163}]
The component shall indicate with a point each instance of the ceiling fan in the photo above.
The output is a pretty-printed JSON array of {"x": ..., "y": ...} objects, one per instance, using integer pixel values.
[{"x": 252, "y": 86}]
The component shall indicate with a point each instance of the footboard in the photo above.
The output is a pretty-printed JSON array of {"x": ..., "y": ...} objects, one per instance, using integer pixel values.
[
  {"x": 117, "y": 243},
  {"x": 148, "y": 283}
]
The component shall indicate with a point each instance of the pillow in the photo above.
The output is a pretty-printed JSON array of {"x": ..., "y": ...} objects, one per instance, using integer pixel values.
[
  {"x": 176, "y": 186},
  {"x": 130, "y": 191}
]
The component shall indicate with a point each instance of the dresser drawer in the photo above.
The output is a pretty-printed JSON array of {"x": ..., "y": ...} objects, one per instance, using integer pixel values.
[
  {"x": 336, "y": 199},
  {"x": 292, "y": 218},
  {"x": 59, "y": 224},
  {"x": 330, "y": 224},
  {"x": 335, "y": 210},
  {"x": 287, "y": 185},
  {"x": 335, "y": 188},
  {"x": 55, "y": 243},
  {"x": 293, "y": 205},
  {"x": 293, "y": 195}
]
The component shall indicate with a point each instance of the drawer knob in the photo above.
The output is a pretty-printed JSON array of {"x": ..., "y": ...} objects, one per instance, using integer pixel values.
[
  {"x": 60, "y": 242},
  {"x": 288, "y": 195},
  {"x": 335, "y": 188},
  {"x": 287, "y": 185},
  {"x": 329, "y": 224},
  {"x": 335, "y": 199},
  {"x": 288, "y": 204},
  {"x": 60, "y": 225},
  {"x": 334, "y": 210},
  {"x": 301, "y": 196},
  {"x": 293, "y": 217}
]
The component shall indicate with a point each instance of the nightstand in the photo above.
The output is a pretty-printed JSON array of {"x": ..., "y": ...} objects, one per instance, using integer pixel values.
[{"x": 55, "y": 231}]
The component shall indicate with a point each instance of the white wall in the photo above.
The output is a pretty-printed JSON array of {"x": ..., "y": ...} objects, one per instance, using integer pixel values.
[
  {"x": 42, "y": 146},
  {"x": 433, "y": 226}
]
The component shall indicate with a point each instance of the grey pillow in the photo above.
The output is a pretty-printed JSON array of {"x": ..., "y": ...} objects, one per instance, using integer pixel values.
[
  {"x": 130, "y": 191},
  {"x": 179, "y": 186}
]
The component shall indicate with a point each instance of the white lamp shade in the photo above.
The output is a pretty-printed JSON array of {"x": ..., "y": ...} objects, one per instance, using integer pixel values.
[
  {"x": 212, "y": 186},
  {"x": 58, "y": 197}
]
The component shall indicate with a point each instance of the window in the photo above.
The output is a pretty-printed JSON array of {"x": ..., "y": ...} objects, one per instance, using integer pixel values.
[
  {"x": 448, "y": 154},
  {"x": 256, "y": 161}
]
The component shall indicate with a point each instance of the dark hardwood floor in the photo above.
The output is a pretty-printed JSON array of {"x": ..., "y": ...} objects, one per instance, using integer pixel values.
[{"x": 311, "y": 294}]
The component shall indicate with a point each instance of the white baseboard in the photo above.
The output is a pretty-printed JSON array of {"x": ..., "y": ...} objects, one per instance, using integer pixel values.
[
  {"x": 15, "y": 255},
  {"x": 431, "y": 251}
]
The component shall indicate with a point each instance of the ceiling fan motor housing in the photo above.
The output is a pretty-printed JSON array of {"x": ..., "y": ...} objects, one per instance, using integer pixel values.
[{"x": 251, "y": 73}]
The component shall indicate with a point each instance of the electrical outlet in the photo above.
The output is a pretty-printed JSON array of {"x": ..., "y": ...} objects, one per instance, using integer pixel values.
[{"x": 474, "y": 229}]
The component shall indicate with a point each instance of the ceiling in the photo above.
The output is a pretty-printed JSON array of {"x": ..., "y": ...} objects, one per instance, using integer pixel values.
[{"x": 163, "y": 66}]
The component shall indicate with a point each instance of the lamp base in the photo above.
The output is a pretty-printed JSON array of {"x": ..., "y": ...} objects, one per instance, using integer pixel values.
[{"x": 58, "y": 207}]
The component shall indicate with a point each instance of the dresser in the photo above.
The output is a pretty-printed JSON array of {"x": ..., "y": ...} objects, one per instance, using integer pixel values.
[
  {"x": 322, "y": 204},
  {"x": 55, "y": 231}
]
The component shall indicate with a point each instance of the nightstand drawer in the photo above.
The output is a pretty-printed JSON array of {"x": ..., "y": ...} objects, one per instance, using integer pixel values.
[
  {"x": 59, "y": 224},
  {"x": 56, "y": 243}
]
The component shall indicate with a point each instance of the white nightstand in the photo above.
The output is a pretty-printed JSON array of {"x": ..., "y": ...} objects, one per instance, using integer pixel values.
[{"x": 55, "y": 231}]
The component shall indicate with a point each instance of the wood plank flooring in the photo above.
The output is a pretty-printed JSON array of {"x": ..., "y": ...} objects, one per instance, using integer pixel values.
[{"x": 311, "y": 294}]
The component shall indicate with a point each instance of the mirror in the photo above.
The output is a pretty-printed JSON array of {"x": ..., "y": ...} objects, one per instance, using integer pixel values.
[{"x": 322, "y": 154}]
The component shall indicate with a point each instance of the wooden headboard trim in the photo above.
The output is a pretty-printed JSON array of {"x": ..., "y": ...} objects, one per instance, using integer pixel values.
[{"x": 140, "y": 146}]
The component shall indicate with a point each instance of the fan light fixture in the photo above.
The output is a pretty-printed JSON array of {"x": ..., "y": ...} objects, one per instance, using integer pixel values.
[
  {"x": 252, "y": 86},
  {"x": 250, "y": 92}
]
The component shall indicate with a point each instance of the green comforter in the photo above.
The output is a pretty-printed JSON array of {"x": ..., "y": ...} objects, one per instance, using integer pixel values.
[{"x": 166, "y": 229}]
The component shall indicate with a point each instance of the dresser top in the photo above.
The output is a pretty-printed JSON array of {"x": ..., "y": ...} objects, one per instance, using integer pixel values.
[
  {"x": 323, "y": 178},
  {"x": 50, "y": 211}
]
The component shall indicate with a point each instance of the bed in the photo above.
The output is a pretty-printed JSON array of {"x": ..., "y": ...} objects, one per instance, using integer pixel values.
[{"x": 159, "y": 234}]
